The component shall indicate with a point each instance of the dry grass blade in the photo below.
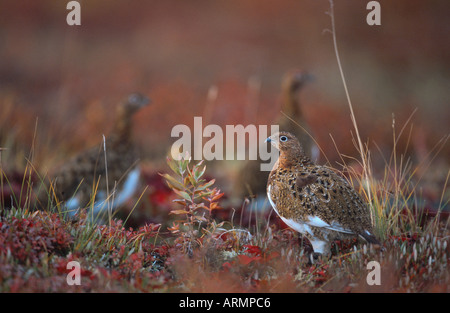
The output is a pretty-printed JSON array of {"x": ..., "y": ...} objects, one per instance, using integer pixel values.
[{"x": 352, "y": 114}]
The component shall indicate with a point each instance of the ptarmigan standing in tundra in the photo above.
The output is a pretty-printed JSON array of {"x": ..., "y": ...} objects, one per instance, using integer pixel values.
[
  {"x": 109, "y": 172},
  {"x": 313, "y": 199}
]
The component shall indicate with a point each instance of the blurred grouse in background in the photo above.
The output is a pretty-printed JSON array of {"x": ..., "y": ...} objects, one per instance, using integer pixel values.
[
  {"x": 108, "y": 173},
  {"x": 251, "y": 180},
  {"x": 293, "y": 120},
  {"x": 314, "y": 200}
]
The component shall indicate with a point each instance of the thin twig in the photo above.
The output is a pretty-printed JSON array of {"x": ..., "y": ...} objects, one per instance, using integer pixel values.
[
  {"x": 352, "y": 115},
  {"x": 106, "y": 177}
]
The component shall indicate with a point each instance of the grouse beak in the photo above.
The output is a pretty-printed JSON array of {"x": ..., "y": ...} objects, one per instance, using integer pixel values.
[
  {"x": 139, "y": 99},
  {"x": 145, "y": 101},
  {"x": 306, "y": 77}
]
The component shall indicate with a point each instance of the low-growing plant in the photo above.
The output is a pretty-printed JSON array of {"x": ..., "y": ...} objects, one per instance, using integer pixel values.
[{"x": 198, "y": 199}]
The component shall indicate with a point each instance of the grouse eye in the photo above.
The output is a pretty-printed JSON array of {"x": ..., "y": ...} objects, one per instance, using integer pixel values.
[{"x": 283, "y": 138}]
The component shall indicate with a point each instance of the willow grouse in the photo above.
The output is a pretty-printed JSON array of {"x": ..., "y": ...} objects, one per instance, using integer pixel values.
[
  {"x": 313, "y": 199},
  {"x": 251, "y": 179},
  {"x": 110, "y": 171}
]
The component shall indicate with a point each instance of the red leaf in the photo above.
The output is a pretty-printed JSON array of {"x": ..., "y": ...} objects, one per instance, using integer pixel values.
[
  {"x": 253, "y": 249},
  {"x": 218, "y": 196},
  {"x": 226, "y": 266}
]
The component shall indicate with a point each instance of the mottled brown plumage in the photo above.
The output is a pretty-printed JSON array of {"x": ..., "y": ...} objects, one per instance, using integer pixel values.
[
  {"x": 88, "y": 173},
  {"x": 313, "y": 199},
  {"x": 251, "y": 180}
]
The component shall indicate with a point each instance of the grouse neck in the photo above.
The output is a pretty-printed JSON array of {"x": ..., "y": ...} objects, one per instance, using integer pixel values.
[
  {"x": 122, "y": 128},
  {"x": 291, "y": 105},
  {"x": 292, "y": 158}
]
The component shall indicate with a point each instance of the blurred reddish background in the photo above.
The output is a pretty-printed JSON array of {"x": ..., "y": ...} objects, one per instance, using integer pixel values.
[{"x": 70, "y": 77}]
